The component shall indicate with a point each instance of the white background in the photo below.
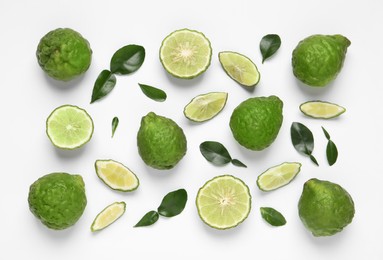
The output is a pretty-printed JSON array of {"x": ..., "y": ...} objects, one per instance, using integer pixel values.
[{"x": 28, "y": 97}]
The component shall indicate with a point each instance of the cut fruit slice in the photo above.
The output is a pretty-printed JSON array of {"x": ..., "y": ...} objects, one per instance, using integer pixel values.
[
  {"x": 108, "y": 215},
  {"x": 321, "y": 109},
  {"x": 240, "y": 68},
  {"x": 69, "y": 127},
  {"x": 278, "y": 176},
  {"x": 116, "y": 176},
  {"x": 185, "y": 53},
  {"x": 223, "y": 202},
  {"x": 205, "y": 106}
]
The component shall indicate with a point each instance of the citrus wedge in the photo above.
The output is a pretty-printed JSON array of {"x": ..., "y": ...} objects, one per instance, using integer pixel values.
[
  {"x": 69, "y": 127},
  {"x": 223, "y": 202},
  {"x": 240, "y": 68},
  {"x": 278, "y": 176},
  {"x": 321, "y": 109},
  {"x": 206, "y": 106},
  {"x": 185, "y": 53},
  {"x": 108, "y": 215},
  {"x": 116, "y": 176}
]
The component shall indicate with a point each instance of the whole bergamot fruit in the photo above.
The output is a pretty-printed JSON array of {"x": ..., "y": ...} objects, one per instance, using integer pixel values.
[
  {"x": 64, "y": 54},
  {"x": 255, "y": 123},
  {"x": 325, "y": 208},
  {"x": 58, "y": 199},
  {"x": 318, "y": 59},
  {"x": 161, "y": 142}
]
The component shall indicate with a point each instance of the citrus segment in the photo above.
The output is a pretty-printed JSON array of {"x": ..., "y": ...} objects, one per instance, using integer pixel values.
[
  {"x": 116, "y": 176},
  {"x": 278, "y": 176},
  {"x": 185, "y": 53},
  {"x": 108, "y": 215},
  {"x": 240, "y": 68},
  {"x": 206, "y": 106},
  {"x": 69, "y": 127},
  {"x": 223, "y": 202},
  {"x": 321, "y": 109}
]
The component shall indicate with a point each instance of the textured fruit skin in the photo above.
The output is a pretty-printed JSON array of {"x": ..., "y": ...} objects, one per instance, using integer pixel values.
[
  {"x": 58, "y": 199},
  {"x": 64, "y": 54},
  {"x": 325, "y": 208},
  {"x": 318, "y": 59},
  {"x": 255, "y": 123},
  {"x": 161, "y": 142}
]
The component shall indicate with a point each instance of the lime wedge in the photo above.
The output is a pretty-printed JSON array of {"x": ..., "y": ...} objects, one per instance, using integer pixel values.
[
  {"x": 321, "y": 109},
  {"x": 185, "y": 53},
  {"x": 108, "y": 215},
  {"x": 69, "y": 127},
  {"x": 116, "y": 176},
  {"x": 240, "y": 68},
  {"x": 205, "y": 106},
  {"x": 278, "y": 176},
  {"x": 223, "y": 202}
]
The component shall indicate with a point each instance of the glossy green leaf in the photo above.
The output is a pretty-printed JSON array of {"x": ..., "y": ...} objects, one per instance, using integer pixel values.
[
  {"x": 104, "y": 84},
  {"x": 115, "y": 122},
  {"x": 215, "y": 152},
  {"x": 173, "y": 203},
  {"x": 153, "y": 93},
  {"x": 127, "y": 59},
  {"x": 148, "y": 219},
  {"x": 326, "y": 133},
  {"x": 303, "y": 140},
  {"x": 272, "y": 216},
  {"x": 269, "y": 45},
  {"x": 238, "y": 163},
  {"x": 331, "y": 152}
]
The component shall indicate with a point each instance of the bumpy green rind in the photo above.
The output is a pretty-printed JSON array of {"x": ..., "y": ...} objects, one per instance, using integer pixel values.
[
  {"x": 58, "y": 199},
  {"x": 161, "y": 142},
  {"x": 325, "y": 208},
  {"x": 318, "y": 59},
  {"x": 255, "y": 123},
  {"x": 64, "y": 54}
]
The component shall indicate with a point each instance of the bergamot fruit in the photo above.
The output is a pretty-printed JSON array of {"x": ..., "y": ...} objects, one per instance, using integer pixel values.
[
  {"x": 58, "y": 199},
  {"x": 64, "y": 54},
  {"x": 318, "y": 59},
  {"x": 161, "y": 142},
  {"x": 325, "y": 208},
  {"x": 255, "y": 123}
]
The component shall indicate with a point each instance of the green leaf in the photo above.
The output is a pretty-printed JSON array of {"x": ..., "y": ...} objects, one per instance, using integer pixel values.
[
  {"x": 173, "y": 203},
  {"x": 303, "y": 140},
  {"x": 104, "y": 84},
  {"x": 215, "y": 152},
  {"x": 312, "y": 158},
  {"x": 153, "y": 93},
  {"x": 326, "y": 133},
  {"x": 115, "y": 122},
  {"x": 269, "y": 45},
  {"x": 148, "y": 219},
  {"x": 238, "y": 163},
  {"x": 272, "y": 216},
  {"x": 331, "y": 152},
  {"x": 127, "y": 59}
]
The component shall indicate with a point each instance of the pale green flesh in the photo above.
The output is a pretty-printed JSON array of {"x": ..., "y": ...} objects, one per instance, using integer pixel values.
[
  {"x": 321, "y": 109},
  {"x": 206, "y": 106},
  {"x": 185, "y": 53},
  {"x": 278, "y": 176},
  {"x": 69, "y": 127},
  {"x": 239, "y": 68},
  {"x": 108, "y": 215},
  {"x": 224, "y": 202}
]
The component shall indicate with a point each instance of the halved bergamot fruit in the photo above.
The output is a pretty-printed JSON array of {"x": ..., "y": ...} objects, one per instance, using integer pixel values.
[
  {"x": 321, "y": 109},
  {"x": 69, "y": 127},
  {"x": 206, "y": 106},
  {"x": 108, "y": 215},
  {"x": 240, "y": 68},
  {"x": 116, "y": 175},
  {"x": 223, "y": 202},
  {"x": 185, "y": 53},
  {"x": 278, "y": 176}
]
